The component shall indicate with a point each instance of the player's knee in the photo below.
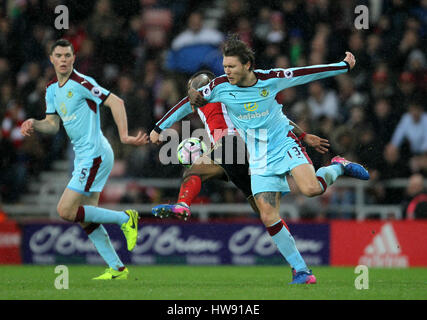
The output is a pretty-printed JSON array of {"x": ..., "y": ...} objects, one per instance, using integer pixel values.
[
  {"x": 311, "y": 190},
  {"x": 65, "y": 212},
  {"x": 268, "y": 217}
]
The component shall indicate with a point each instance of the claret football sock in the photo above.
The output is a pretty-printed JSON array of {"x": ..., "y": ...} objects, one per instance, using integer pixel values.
[
  {"x": 100, "y": 215},
  {"x": 284, "y": 241},
  {"x": 328, "y": 175},
  {"x": 101, "y": 240},
  {"x": 190, "y": 188}
]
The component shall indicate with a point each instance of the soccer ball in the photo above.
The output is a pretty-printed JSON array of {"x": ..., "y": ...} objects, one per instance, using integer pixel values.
[{"x": 189, "y": 150}]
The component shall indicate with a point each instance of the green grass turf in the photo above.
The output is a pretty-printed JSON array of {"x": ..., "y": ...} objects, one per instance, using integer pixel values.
[{"x": 210, "y": 282}]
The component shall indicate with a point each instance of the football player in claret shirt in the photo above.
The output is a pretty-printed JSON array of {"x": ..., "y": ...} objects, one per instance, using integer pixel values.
[
  {"x": 274, "y": 151},
  {"x": 75, "y": 99}
]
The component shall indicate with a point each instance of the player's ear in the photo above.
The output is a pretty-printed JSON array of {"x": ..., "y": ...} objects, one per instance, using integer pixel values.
[{"x": 248, "y": 66}]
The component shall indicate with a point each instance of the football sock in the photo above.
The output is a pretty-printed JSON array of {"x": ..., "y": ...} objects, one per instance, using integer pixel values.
[
  {"x": 190, "y": 188},
  {"x": 100, "y": 215},
  {"x": 284, "y": 241},
  {"x": 328, "y": 175},
  {"x": 99, "y": 237}
]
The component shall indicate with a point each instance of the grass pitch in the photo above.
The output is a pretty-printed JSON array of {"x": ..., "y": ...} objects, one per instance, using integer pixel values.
[{"x": 175, "y": 282}]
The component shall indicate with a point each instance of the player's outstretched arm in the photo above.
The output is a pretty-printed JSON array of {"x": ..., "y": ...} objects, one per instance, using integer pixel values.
[
  {"x": 118, "y": 110},
  {"x": 49, "y": 125},
  {"x": 350, "y": 59}
]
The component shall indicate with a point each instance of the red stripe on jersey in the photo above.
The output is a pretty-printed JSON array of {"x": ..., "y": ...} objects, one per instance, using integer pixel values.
[
  {"x": 217, "y": 81},
  {"x": 92, "y": 174},
  {"x": 91, "y": 104},
  {"x": 306, "y": 71},
  {"x": 293, "y": 136},
  {"x": 74, "y": 76},
  {"x": 296, "y": 72},
  {"x": 54, "y": 80},
  {"x": 171, "y": 111},
  {"x": 270, "y": 75}
]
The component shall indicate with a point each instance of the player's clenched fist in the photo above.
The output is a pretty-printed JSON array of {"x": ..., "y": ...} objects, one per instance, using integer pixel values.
[
  {"x": 27, "y": 128},
  {"x": 196, "y": 98},
  {"x": 155, "y": 137},
  {"x": 350, "y": 59}
]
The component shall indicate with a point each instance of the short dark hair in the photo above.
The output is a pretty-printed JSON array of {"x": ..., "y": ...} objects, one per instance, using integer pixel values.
[
  {"x": 233, "y": 46},
  {"x": 61, "y": 43},
  {"x": 201, "y": 78}
]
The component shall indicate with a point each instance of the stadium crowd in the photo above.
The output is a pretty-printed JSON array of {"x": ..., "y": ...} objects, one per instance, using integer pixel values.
[{"x": 144, "y": 51}]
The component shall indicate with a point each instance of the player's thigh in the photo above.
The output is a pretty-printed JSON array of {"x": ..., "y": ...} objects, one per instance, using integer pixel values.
[
  {"x": 306, "y": 180},
  {"x": 205, "y": 168},
  {"x": 292, "y": 184}
]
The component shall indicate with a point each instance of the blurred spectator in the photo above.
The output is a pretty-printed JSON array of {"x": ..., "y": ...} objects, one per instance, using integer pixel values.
[
  {"x": 380, "y": 86},
  {"x": 262, "y": 26},
  {"x": 357, "y": 46},
  {"x": 348, "y": 96},
  {"x": 234, "y": 10},
  {"x": 195, "y": 48},
  {"x": 110, "y": 46},
  {"x": 322, "y": 102},
  {"x": 374, "y": 49},
  {"x": 277, "y": 33},
  {"x": 412, "y": 128},
  {"x": 406, "y": 88},
  {"x": 416, "y": 64},
  {"x": 85, "y": 59},
  {"x": 76, "y": 34},
  {"x": 344, "y": 141},
  {"x": 15, "y": 175},
  {"x": 368, "y": 150},
  {"x": 415, "y": 203},
  {"x": 244, "y": 30},
  {"x": 6, "y": 95},
  {"x": 384, "y": 121}
]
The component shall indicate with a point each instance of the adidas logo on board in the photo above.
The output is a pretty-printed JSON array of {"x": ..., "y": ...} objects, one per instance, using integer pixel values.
[{"x": 384, "y": 250}]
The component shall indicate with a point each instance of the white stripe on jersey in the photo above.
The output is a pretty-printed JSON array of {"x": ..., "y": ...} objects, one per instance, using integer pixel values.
[
  {"x": 203, "y": 118},
  {"x": 231, "y": 129}
]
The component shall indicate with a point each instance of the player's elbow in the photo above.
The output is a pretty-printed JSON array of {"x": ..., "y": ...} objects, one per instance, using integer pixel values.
[
  {"x": 311, "y": 190},
  {"x": 114, "y": 102}
]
